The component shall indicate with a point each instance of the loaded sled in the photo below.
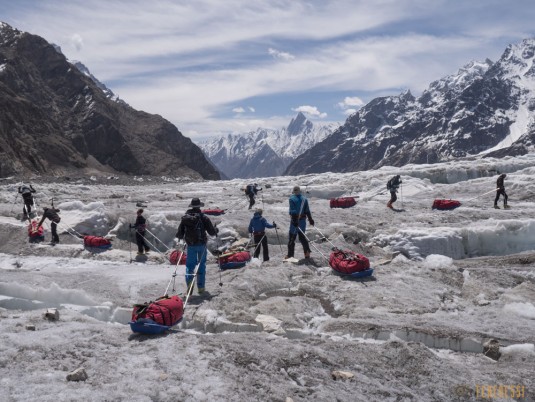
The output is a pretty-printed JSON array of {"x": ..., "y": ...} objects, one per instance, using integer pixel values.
[
  {"x": 156, "y": 317},
  {"x": 349, "y": 263},
  {"x": 445, "y": 205}
]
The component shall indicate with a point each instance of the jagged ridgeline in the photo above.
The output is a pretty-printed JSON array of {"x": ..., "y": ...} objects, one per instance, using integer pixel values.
[
  {"x": 56, "y": 119},
  {"x": 485, "y": 109}
]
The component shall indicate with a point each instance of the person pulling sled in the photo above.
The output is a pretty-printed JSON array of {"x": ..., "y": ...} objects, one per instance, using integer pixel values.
[
  {"x": 141, "y": 227},
  {"x": 52, "y": 215},
  {"x": 193, "y": 228},
  {"x": 250, "y": 191},
  {"x": 257, "y": 227},
  {"x": 392, "y": 185},
  {"x": 299, "y": 212},
  {"x": 27, "y": 198},
  {"x": 500, "y": 190}
]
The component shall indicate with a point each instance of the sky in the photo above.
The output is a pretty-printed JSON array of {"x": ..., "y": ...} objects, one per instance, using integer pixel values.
[{"x": 212, "y": 67}]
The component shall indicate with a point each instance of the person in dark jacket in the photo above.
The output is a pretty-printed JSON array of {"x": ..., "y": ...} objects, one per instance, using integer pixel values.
[
  {"x": 27, "y": 198},
  {"x": 192, "y": 229},
  {"x": 141, "y": 227},
  {"x": 392, "y": 185},
  {"x": 500, "y": 190},
  {"x": 251, "y": 190},
  {"x": 52, "y": 215},
  {"x": 257, "y": 228},
  {"x": 299, "y": 211}
]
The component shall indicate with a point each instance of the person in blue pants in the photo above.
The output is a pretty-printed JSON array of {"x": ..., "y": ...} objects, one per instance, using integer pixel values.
[
  {"x": 192, "y": 229},
  {"x": 299, "y": 212}
]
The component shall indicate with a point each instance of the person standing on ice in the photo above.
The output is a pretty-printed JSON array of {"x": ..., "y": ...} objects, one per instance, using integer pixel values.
[
  {"x": 392, "y": 185},
  {"x": 500, "y": 190},
  {"x": 27, "y": 198},
  {"x": 251, "y": 190},
  {"x": 192, "y": 229},
  {"x": 141, "y": 227},
  {"x": 299, "y": 211},
  {"x": 52, "y": 215},
  {"x": 257, "y": 227}
]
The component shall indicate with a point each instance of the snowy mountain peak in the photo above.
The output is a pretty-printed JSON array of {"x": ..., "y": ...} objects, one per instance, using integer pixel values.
[
  {"x": 84, "y": 70},
  {"x": 299, "y": 125}
]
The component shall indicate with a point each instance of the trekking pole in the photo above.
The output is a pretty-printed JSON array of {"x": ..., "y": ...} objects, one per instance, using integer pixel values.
[
  {"x": 488, "y": 192},
  {"x": 219, "y": 261},
  {"x": 13, "y": 204},
  {"x": 278, "y": 238},
  {"x": 173, "y": 277},
  {"x": 401, "y": 194},
  {"x": 312, "y": 243}
]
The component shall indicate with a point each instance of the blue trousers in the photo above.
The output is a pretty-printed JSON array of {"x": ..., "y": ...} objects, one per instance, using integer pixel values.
[{"x": 196, "y": 255}]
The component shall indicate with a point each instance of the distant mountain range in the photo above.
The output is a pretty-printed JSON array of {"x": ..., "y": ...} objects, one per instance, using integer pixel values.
[
  {"x": 264, "y": 152},
  {"x": 485, "y": 109},
  {"x": 55, "y": 117}
]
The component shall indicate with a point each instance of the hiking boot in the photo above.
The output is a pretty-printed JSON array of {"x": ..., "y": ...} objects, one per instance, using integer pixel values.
[
  {"x": 140, "y": 253},
  {"x": 496, "y": 207},
  {"x": 307, "y": 254},
  {"x": 506, "y": 207},
  {"x": 147, "y": 251},
  {"x": 389, "y": 205},
  {"x": 200, "y": 290}
]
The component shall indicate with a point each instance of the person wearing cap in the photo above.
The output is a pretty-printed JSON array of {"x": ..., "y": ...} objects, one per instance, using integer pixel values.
[
  {"x": 257, "y": 228},
  {"x": 141, "y": 227},
  {"x": 299, "y": 212},
  {"x": 52, "y": 215},
  {"x": 500, "y": 190},
  {"x": 192, "y": 229}
]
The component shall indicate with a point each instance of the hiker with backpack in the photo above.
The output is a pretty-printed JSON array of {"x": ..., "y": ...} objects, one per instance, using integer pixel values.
[
  {"x": 500, "y": 190},
  {"x": 52, "y": 215},
  {"x": 251, "y": 190},
  {"x": 27, "y": 199},
  {"x": 141, "y": 227},
  {"x": 392, "y": 185},
  {"x": 192, "y": 229},
  {"x": 299, "y": 212},
  {"x": 257, "y": 228}
]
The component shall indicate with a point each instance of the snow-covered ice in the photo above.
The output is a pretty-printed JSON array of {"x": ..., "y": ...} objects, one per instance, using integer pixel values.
[{"x": 444, "y": 283}]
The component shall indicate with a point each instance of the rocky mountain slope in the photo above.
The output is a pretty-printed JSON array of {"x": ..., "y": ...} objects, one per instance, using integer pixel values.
[
  {"x": 485, "y": 109},
  {"x": 55, "y": 119},
  {"x": 264, "y": 152}
]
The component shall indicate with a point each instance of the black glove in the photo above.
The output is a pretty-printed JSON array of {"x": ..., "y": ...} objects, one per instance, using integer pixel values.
[
  {"x": 311, "y": 221},
  {"x": 274, "y": 225}
]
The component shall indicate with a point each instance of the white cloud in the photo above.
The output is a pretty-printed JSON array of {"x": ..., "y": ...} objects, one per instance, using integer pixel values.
[
  {"x": 251, "y": 109},
  {"x": 311, "y": 111},
  {"x": 238, "y": 110},
  {"x": 280, "y": 55},
  {"x": 351, "y": 101},
  {"x": 348, "y": 112},
  {"x": 77, "y": 42}
]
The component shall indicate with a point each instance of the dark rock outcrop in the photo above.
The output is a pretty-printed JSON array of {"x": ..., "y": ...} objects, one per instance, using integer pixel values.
[{"x": 55, "y": 119}]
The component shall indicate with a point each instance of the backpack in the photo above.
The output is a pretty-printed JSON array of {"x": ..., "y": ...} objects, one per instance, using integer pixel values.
[
  {"x": 194, "y": 228},
  {"x": 389, "y": 184},
  {"x": 249, "y": 189}
]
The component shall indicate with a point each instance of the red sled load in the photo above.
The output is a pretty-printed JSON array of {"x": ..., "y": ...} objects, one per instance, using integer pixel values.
[
  {"x": 234, "y": 259},
  {"x": 213, "y": 211},
  {"x": 97, "y": 242},
  {"x": 342, "y": 202},
  {"x": 157, "y": 316},
  {"x": 35, "y": 234},
  {"x": 175, "y": 255},
  {"x": 347, "y": 262},
  {"x": 446, "y": 205}
]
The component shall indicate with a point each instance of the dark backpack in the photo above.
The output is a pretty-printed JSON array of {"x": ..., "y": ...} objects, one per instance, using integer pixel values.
[
  {"x": 194, "y": 228},
  {"x": 389, "y": 184},
  {"x": 249, "y": 189}
]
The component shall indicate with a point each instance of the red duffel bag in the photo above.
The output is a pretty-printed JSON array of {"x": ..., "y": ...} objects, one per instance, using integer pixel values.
[
  {"x": 164, "y": 311},
  {"x": 348, "y": 262},
  {"x": 213, "y": 211},
  {"x": 342, "y": 202},
  {"x": 236, "y": 259},
  {"x": 34, "y": 232},
  {"x": 173, "y": 257},
  {"x": 96, "y": 241},
  {"x": 445, "y": 204}
]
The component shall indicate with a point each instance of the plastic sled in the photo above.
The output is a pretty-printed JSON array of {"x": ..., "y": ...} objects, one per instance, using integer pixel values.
[{"x": 149, "y": 327}]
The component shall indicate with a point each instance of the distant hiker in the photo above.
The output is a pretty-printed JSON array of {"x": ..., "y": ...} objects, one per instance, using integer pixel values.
[
  {"x": 193, "y": 228},
  {"x": 52, "y": 215},
  {"x": 27, "y": 198},
  {"x": 257, "y": 227},
  {"x": 500, "y": 190},
  {"x": 141, "y": 227},
  {"x": 251, "y": 190},
  {"x": 392, "y": 185},
  {"x": 299, "y": 211}
]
